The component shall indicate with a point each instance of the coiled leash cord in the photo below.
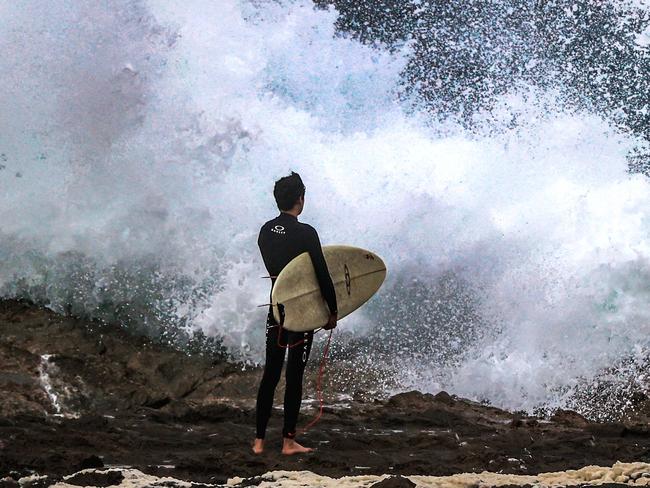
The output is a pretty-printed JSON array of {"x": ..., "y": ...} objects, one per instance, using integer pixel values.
[{"x": 319, "y": 389}]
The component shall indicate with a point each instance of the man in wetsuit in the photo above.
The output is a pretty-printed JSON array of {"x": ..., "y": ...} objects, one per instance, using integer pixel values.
[{"x": 281, "y": 240}]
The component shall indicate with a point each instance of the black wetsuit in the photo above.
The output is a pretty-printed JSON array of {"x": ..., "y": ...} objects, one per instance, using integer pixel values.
[{"x": 281, "y": 240}]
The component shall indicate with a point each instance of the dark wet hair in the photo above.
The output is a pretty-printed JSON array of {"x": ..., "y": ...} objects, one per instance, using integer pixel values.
[{"x": 288, "y": 190}]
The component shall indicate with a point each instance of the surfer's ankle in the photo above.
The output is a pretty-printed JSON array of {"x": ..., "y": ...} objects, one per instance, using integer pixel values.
[
  {"x": 290, "y": 446},
  {"x": 258, "y": 446}
]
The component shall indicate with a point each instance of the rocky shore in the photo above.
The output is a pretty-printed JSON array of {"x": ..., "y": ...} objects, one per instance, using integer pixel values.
[{"x": 76, "y": 396}]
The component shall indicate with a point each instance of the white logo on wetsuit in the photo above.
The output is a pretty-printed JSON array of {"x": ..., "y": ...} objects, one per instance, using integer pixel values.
[{"x": 278, "y": 229}]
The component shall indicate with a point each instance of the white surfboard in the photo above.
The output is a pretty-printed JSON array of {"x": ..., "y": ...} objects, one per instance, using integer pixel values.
[{"x": 357, "y": 274}]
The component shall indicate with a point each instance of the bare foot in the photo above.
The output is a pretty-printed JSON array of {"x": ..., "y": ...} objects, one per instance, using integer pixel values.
[
  {"x": 258, "y": 446},
  {"x": 289, "y": 447}
]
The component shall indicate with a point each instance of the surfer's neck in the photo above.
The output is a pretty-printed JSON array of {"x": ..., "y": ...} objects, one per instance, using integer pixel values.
[{"x": 294, "y": 213}]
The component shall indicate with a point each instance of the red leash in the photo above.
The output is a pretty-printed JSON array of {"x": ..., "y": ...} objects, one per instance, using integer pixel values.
[
  {"x": 319, "y": 381},
  {"x": 321, "y": 370},
  {"x": 319, "y": 389},
  {"x": 287, "y": 345}
]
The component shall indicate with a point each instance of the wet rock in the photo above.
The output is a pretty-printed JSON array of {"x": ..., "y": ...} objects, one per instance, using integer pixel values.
[
  {"x": 412, "y": 400},
  {"x": 394, "y": 482},
  {"x": 607, "y": 485},
  {"x": 90, "y": 462},
  {"x": 91, "y": 367},
  {"x": 444, "y": 397},
  {"x": 636, "y": 430},
  {"x": 198, "y": 427},
  {"x": 8, "y": 482},
  {"x": 569, "y": 417},
  {"x": 92, "y": 421},
  {"x": 436, "y": 417},
  {"x": 253, "y": 481},
  {"x": 211, "y": 413},
  {"x": 157, "y": 401},
  {"x": 612, "y": 429},
  {"x": 516, "y": 422},
  {"x": 179, "y": 484},
  {"x": 96, "y": 478}
]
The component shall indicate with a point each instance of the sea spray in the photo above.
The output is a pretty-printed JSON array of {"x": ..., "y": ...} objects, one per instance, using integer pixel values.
[{"x": 139, "y": 160}]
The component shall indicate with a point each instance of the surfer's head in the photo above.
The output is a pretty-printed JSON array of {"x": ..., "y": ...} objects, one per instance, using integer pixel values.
[{"x": 289, "y": 193}]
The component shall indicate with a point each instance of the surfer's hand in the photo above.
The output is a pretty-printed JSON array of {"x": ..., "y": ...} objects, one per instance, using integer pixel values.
[{"x": 331, "y": 322}]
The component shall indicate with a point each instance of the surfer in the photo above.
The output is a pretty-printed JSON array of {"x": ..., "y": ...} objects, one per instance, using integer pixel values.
[{"x": 280, "y": 240}]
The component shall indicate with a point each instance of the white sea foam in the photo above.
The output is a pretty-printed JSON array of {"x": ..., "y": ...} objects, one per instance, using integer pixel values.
[
  {"x": 633, "y": 474},
  {"x": 56, "y": 391},
  {"x": 46, "y": 383},
  {"x": 144, "y": 139}
]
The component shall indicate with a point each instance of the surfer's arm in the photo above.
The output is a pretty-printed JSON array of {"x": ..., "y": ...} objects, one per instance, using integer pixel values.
[
  {"x": 320, "y": 266},
  {"x": 263, "y": 246}
]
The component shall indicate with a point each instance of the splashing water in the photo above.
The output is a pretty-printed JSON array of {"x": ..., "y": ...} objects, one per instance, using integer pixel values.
[{"x": 141, "y": 140}]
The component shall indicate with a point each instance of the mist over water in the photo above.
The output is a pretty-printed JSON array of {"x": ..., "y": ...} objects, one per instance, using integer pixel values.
[{"x": 139, "y": 143}]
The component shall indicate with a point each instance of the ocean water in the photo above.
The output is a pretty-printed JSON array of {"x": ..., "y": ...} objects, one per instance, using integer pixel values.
[{"x": 140, "y": 140}]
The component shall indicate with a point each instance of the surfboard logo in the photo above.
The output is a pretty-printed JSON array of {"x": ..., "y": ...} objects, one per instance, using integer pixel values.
[{"x": 348, "y": 281}]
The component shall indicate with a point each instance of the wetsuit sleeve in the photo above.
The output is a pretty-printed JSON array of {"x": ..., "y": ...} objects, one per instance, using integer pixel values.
[
  {"x": 261, "y": 243},
  {"x": 322, "y": 273}
]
